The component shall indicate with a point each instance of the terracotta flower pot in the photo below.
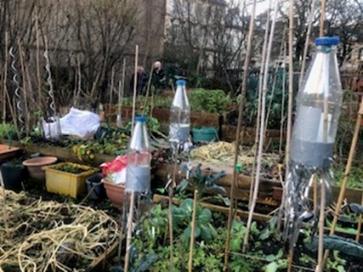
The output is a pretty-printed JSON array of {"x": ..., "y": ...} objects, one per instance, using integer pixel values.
[
  {"x": 35, "y": 166},
  {"x": 115, "y": 193},
  {"x": 7, "y": 152}
]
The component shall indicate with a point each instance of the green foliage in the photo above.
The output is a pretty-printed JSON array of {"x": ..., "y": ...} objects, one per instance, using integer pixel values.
[
  {"x": 355, "y": 177},
  {"x": 214, "y": 101},
  {"x": 7, "y": 131}
]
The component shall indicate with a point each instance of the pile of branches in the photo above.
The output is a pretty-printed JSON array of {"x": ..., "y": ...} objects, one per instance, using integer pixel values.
[{"x": 38, "y": 235}]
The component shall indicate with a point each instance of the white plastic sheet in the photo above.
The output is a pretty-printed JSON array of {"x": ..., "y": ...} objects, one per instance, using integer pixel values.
[{"x": 82, "y": 124}]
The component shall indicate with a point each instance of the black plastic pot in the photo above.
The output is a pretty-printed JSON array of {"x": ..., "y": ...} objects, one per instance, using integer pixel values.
[
  {"x": 13, "y": 175},
  {"x": 95, "y": 188}
]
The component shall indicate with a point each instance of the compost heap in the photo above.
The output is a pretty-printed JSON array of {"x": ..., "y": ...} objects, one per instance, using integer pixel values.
[{"x": 38, "y": 235}]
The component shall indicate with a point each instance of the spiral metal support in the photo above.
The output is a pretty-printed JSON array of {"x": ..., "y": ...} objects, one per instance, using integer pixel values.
[
  {"x": 18, "y": 97},
  {"x": 50, "y": 84}
]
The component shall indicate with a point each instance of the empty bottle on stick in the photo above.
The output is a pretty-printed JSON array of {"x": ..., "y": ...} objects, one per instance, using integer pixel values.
[
  {"x": 138, "y": 159},
  {"x": 180, "y": 115}
]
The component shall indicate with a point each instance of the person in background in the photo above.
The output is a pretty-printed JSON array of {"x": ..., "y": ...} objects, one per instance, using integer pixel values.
[
  {"x": 142, "y": 79},
  {"x": 158, "y": 80}
]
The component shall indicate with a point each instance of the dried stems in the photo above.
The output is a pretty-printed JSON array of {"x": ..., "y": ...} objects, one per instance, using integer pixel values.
[
  {"x": 240, "y": 113},
  {"x": 262, "y": 128}
]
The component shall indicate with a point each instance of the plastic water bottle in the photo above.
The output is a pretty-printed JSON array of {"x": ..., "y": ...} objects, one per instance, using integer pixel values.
[
  {"x": 138, "y": 159},
  {"x": 179, "y": 128},
  {"x": 318, "y": 108}
]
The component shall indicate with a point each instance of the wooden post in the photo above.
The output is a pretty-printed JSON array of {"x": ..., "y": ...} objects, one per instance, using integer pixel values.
[
  {"x": 190, "y": 262},
  {"x": 240, "y": 114},
  {"x": 129, "y": 232},
  {"x": 343, "y": 185},
  {"x": 135, "y": 87}
]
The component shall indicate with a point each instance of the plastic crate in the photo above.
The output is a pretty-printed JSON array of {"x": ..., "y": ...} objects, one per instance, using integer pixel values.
[{"x": 65, "y": 183}]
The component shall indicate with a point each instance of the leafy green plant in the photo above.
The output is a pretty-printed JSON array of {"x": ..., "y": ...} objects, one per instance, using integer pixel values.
[
  {"x": 7, "y": 131},
  {"x": 214, "y": 101}
]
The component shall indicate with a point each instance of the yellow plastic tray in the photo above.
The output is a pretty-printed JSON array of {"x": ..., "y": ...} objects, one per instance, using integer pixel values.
[{"x": 64, "y": 183}]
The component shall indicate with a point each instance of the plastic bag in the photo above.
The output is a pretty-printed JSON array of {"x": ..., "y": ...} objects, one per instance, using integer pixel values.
[
  {"x": 52, "y": 128},
  {"x": 83, "y": 124},
  {"x": 115, "y": 171}
]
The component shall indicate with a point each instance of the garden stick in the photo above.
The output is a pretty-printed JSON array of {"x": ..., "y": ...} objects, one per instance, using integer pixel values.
[
  {"x": 13, "y": 113},
  {"x": 170, "y": 213},
  {"x": 79, "y": 76},
  {"x": 5, "y": 90},
  {"x": 291, "y": 87},
  {"x": 322, "y": 17},
  {"x": 348, "y": 167},
  {"x": 359, "y": 228},
  {"x": 240, "y": 113},
  {"x": 148, "y": 88},
  {"x": 190, "y": 263},
  {"x": 39, "y": 78},
  {"x": 135, "y": 86},
  {"x": 5, "y": 214},
  {"x": 290, "y": 259},
  {"x": 112, "y": 84},
  {"x": 262, "y": 127},
  {"x": 264, "y": 49},
  {"x": 129, "y": 231},
  {"x": 121, "y": 94},
  {"x": 306, "y": 46},
  {"x": 283, "y": 102},
  {"x": 319, "y": 267}
]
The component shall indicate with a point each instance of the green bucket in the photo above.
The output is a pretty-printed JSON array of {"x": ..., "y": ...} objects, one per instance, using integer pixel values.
[{"x": 204, "y": 134}]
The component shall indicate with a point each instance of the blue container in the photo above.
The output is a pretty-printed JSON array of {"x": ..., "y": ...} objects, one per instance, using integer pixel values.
[{"x": 204, "y": 134}]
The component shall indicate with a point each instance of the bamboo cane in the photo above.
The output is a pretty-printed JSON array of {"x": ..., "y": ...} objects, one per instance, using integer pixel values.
[
  {"x": 190, "y": 262},
  {"x": 319, "y": 267},
  {"x": 306, "y": 45},
  {"x": 112, "y": 85},
  {"x": 258, "y": 119},
  {"x": 170, "y": 212},
  {"x": 135, "y": 87},
  {"x": 289, "y": 108},
  {"x": 39, "y": 78},
  {"x": 148, "y": 88},
  {"x": 240, "y": 113},
  {"x": 121, "y": 94},
  {"x": 262, "y": 127},
  {"x": 283, "y": 102},
  {"x": 348, "y": 168},
  {"x": 359, "y": 227},
  {"x": 129, "y": 232}
]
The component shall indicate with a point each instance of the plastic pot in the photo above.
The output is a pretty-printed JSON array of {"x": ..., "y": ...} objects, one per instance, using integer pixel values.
[
  {"x": 115, "y": 193},
  {"x": 13, "y": 175},
  {"x": 95, "y": 188},
  {"x": 204, "y": 135},
  {"x": 7, "y": 152},
  {"x": 35, "y": 166}
]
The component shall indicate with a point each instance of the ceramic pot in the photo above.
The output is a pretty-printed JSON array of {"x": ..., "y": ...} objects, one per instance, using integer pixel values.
[
  {"x": 115, "y": 193},
  {"x": 35, "y": 166}
]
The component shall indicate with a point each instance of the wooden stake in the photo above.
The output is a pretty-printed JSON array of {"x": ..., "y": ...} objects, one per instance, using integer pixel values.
[
  {"x": 283, "y": 102},
  {"x": 170, "y": 213},
  {"x": 262, "y": 128},
  {"x": 348, "y": 168},
  {"x": 322, "y": 17},
  {"x": 190, "y": 262},
  {"x": 290, "y": 259},
  {"x": 240, "y": 114},
  {"x": 121, "y": 88},
  {"x": 25, "y": 87},
  {"x": 291, "y": 87},
  {"x": 148, "y": 88},
  {"x": 319, "y": 267},
  {"x": 307, "y": 39},
  {"x": 359, "y": 228},
  {"x": 135, "y": 87},
  {"x": 39, "y": 78},
  {"x": 129, "y": 232},
  {"x": 112, "y": 85}
]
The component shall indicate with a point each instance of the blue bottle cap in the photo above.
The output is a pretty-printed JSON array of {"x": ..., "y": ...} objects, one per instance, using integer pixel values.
[
  {"x": 181, "y": 82},
  {"x": 140, "y": 118},
  {"x": 327, "y": 41}
]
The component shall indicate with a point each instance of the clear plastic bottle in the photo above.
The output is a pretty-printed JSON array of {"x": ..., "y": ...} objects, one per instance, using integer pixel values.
[
  {"x": 138, "y": 159},
  {"x": 318, "y": 108},
  {"x": 179, "y": 127}
]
